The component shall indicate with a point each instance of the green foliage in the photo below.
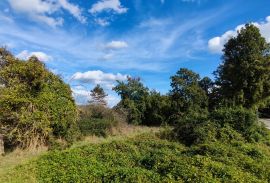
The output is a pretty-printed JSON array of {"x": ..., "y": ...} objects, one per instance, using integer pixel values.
[
  {"x": 34, "y": 104},
  {"x": 243, "y": 76},
  {"x": 98, "y": 120},
  {"x": 226, "y": 124},
  {"x": 186, "y": 95},
  {"x": 157, "y": 109},
  {"x": 98, "y": 96},
  {"x": 142, "y": 107},
  {"x": 146, "y": 158},
  {"x": 132, "y": 95}
]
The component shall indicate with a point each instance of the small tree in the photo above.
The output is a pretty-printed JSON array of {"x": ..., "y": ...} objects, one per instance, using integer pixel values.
[{"x": 98, "y": 96}]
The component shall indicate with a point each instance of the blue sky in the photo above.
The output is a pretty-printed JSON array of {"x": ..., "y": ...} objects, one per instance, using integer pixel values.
[{"x": 91, "y": 42}]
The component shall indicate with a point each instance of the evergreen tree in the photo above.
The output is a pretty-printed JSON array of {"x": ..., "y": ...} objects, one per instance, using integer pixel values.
[
  {"x": 244, "y": 76},
  {"x": 98, "y": 96}
]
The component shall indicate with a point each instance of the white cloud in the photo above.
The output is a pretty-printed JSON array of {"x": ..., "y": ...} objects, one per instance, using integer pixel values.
[
  {"x": 107, "y": 56},
  {"x": 102, "y": 22},
  {"x": 40, "y": 55},
  {"x": 73, "y": 9},
  {"x": 216, "y": 44},
  {"x": 116, "y": 45},
  {"x": 99, "y": 77},
  {"x": 43, "y": 10},
  {"x": 108, "y": 5}
]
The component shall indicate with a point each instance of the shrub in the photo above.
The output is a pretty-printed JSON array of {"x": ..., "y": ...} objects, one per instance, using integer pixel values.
[
  {"x": 35, "y": 104},
  {"x": 242, "y": 120},
  {"x": 148, "y": 159},
  {"x": 98, "y": 120}
]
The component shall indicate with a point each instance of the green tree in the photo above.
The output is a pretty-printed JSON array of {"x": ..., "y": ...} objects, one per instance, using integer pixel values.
[
  {"x": 133, "y": 94},
  {"x": 157, "y": 109},
  {"x": 186, "y": 95},
  {"x": 98, "y": 96},
  {"x": 243, "y": 77},
  {"x": 35, "y": 104}
]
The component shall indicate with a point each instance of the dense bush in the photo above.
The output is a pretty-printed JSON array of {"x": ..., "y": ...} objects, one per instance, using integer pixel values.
[
  {"x": 98, "y": 120},
  {"x": 149, "y": 159},
  {"x": 35, "y": 104},
  {"x": 225, "y": 124}
]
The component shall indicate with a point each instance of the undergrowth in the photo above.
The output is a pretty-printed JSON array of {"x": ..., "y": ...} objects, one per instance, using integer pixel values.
[{"x": 147, "y": 158}]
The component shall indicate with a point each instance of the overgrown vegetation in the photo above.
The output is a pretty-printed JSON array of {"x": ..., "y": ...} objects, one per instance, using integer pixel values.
[
  {"x": 146, "y": 158},
  {"x": 35, "y": 105},
  {"x": 212, "y": 129}
]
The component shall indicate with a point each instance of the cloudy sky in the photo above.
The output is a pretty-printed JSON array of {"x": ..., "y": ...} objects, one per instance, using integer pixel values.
[{"x": 91, "y": 42}]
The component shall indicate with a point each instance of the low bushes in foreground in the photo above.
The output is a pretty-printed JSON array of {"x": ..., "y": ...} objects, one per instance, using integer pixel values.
[{"x": 146, "y": 158}]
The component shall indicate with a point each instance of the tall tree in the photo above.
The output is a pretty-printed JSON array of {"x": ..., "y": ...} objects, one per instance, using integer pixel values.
[
  {"x": 187, "y": 96},
  {"x": 243, "y": 77},
  {"x": 98, "y": 96}
]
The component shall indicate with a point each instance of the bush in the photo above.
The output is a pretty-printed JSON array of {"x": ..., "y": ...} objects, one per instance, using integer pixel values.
[
  {"x": 148, "y": 159},
  {"x": 98, "y": 120},
  {"x": 98, "y": 127},
  {"x": 195, "y": 129},
  {"x": 242, "y": 120},
  {"x": 226, "y": 124},
  {"x": 35, "y": 104}
]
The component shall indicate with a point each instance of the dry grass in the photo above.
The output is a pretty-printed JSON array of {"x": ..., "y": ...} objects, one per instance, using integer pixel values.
[
  {"x": 120, "y": 132},
  {"x": 17, "y": 157}
]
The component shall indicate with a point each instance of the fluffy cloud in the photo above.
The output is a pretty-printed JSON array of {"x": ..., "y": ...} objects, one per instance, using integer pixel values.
[
  {"x": 114, "y": 45},
  {"x": 40, "y": 55},
  {"x": 99, "y": 77},
  {"x": 108, "y": 5},
  {"x": 42, "y": 10},
  {"x": 216, "y": 44}
]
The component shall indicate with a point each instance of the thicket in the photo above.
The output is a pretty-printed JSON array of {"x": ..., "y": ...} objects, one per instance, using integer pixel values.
[
  {"x": 98, "y": 120},
  {"x": 36, "y": 106}
]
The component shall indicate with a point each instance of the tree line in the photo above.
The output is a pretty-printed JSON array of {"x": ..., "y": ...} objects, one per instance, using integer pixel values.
[{"x": 37, "y": 107}]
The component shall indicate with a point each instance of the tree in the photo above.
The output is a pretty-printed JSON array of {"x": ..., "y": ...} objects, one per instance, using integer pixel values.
[
  {"x": 35, "y": 104},
  {"x": 133, "y": 94},
  {"x": 98, "y": 96},
  {"x": 207, "y": 85},
  {"x": 186, "y": 95},
  {"x": 243, "y": 77}
]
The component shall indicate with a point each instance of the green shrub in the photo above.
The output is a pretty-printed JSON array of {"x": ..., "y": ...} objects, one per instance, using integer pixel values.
[
  {"x": 98, "y": 120},
  {"x": 98, "y": 127},
  {"x": 242, "y": 120},
  {"x": 35, "y": 104},
  {"x": 146, "y": 158}
]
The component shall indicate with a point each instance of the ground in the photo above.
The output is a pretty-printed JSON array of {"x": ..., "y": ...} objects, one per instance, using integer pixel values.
[{"x": 266, "y": 122}]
